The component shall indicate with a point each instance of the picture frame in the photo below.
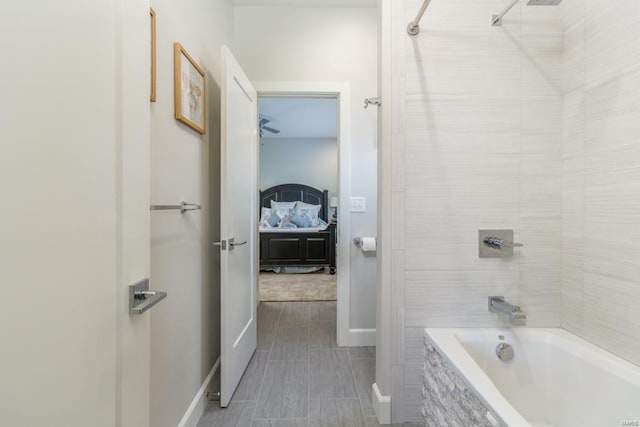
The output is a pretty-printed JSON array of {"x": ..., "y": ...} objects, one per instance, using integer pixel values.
[
  {"x": 152, "y": 96},
  {"x": 190, "y": 90}
]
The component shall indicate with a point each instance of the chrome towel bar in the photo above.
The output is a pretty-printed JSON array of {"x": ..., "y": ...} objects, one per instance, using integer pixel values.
[{"x": 182, "y": 207}]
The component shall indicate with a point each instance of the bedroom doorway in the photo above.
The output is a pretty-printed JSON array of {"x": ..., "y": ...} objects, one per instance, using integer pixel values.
[
  {"x": 338, "y": 311},
  {"x": 299, "y": 192}
]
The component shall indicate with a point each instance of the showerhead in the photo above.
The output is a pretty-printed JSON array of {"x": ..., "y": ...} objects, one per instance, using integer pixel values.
[
  {"x": 543, "y": 2},
  {"x": 496, "y": 20}
]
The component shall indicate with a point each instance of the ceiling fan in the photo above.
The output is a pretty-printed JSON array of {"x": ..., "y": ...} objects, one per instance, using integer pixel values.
[{"x": 262, "y": 125}]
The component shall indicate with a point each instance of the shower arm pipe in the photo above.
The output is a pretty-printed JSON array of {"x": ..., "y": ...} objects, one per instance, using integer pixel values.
[
  {"x": 496, "y": 20},
  {"x": 414, "y": 26}
]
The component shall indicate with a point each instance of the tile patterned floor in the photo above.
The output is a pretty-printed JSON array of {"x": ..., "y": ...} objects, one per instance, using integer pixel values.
[{"x": 298, "y": 376}]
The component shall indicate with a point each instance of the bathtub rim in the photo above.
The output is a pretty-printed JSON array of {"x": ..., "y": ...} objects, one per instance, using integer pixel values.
[{"x": 447, "y": 341}]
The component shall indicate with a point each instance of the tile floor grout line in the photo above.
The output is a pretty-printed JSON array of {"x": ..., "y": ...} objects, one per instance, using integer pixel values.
[
  {"x": 355, "y": 384},
  {"x": 335, "y": 398},
  {"x": 276, "y": 328},
  {"x": 264, "y": 374}
]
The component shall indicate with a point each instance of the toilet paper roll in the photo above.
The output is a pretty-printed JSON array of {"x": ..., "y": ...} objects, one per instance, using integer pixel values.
[{"x": 368, "y": 244}]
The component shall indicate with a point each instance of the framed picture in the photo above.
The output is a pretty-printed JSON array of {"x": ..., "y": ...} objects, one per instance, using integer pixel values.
[
  {"x": 189, "y": 89},
  {"x": 153, "y": 55}
]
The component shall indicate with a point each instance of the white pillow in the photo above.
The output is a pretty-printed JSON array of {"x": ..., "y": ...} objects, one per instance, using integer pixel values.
[
  {"x": 283, "y": 205},
  {"x": 308, "y": 206},
  {"x": 282, "y": 208},
  {"x": 310, "y": 211}
]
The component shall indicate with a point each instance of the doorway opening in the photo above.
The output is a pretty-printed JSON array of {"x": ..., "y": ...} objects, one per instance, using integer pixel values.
[
  {"x": 337, "y": 198},
  {"x": 298, "y": 187}
]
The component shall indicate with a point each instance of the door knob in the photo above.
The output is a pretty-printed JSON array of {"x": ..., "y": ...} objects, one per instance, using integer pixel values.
[{"x": 222, "y": 244}]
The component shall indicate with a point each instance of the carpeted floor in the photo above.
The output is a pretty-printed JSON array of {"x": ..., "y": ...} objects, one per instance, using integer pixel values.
[{"x": 297, "y": 287}]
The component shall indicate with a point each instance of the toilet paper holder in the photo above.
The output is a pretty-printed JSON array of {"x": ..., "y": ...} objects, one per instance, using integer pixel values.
[{"x": 360, "y": 242}]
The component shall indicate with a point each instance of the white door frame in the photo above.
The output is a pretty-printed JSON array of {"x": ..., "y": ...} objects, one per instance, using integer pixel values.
[{"x": 342, "y": 91}]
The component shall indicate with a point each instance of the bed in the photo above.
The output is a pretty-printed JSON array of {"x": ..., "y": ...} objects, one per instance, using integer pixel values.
[{"x": 299, "y": 247}]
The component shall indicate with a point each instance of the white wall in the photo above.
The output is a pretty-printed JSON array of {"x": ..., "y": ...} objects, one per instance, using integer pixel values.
[
  {"x": 601, "y": 174},
  {"x": 132, "y": 207},
  {"x": 74, "y": 163},
  {"x": 185, "y": 330},
  {"x": 310, "y": 161},
  {"x": 476, "y": 128},
  {"x": 58, "y": 218},
  {"x": 326, "y": 44}
]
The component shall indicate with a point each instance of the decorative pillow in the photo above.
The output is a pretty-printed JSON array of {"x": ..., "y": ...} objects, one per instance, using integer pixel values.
[
  {"x": 269, "y": 218},
  {"x": 283, "y": 205},
  {"x": 282, "y": 208},
  {"x": 301, "y": 221},
  {"x": 308, "y": 211},
  {"x": 303, "y": 205},
  {"x": 265, "y": 213},
  {"x": 273, "y": 220},
  {"x": 287, "y": 222}
]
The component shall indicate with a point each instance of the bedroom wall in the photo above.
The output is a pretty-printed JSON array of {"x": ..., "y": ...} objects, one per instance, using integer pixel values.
[
  {"x": 185, "y": 328},
  {"x": 310, "y": 161},
  {"x": 326, "y": 44}
]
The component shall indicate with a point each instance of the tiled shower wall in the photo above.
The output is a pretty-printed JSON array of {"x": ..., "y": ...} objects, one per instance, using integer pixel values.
[
  {"x": 477, "y": 130},
  {"x": 601, "y": 174}
]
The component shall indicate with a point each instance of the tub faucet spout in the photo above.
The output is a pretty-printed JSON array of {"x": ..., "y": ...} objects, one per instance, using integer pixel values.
[{"x": 516, "y": 316}]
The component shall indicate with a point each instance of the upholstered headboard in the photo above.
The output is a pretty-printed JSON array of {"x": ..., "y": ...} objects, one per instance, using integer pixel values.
[{"x": 294, "y": 193}]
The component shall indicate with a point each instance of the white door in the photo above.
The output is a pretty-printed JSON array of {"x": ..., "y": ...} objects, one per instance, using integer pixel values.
[{"x": 238, "y": 224}]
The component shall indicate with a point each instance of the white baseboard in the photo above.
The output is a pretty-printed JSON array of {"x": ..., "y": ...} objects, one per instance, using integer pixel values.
[
  {"x": 381, "y": 405},
  {"x": 196, "y": 408},
  {"x": 362, "y": 337}
]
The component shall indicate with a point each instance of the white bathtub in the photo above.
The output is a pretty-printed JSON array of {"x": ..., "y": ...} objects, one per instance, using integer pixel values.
[{"x": 555, "y": 378}]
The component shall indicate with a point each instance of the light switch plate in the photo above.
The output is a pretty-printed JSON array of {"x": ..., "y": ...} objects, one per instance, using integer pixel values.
[{"x": 358, "y": 204}]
